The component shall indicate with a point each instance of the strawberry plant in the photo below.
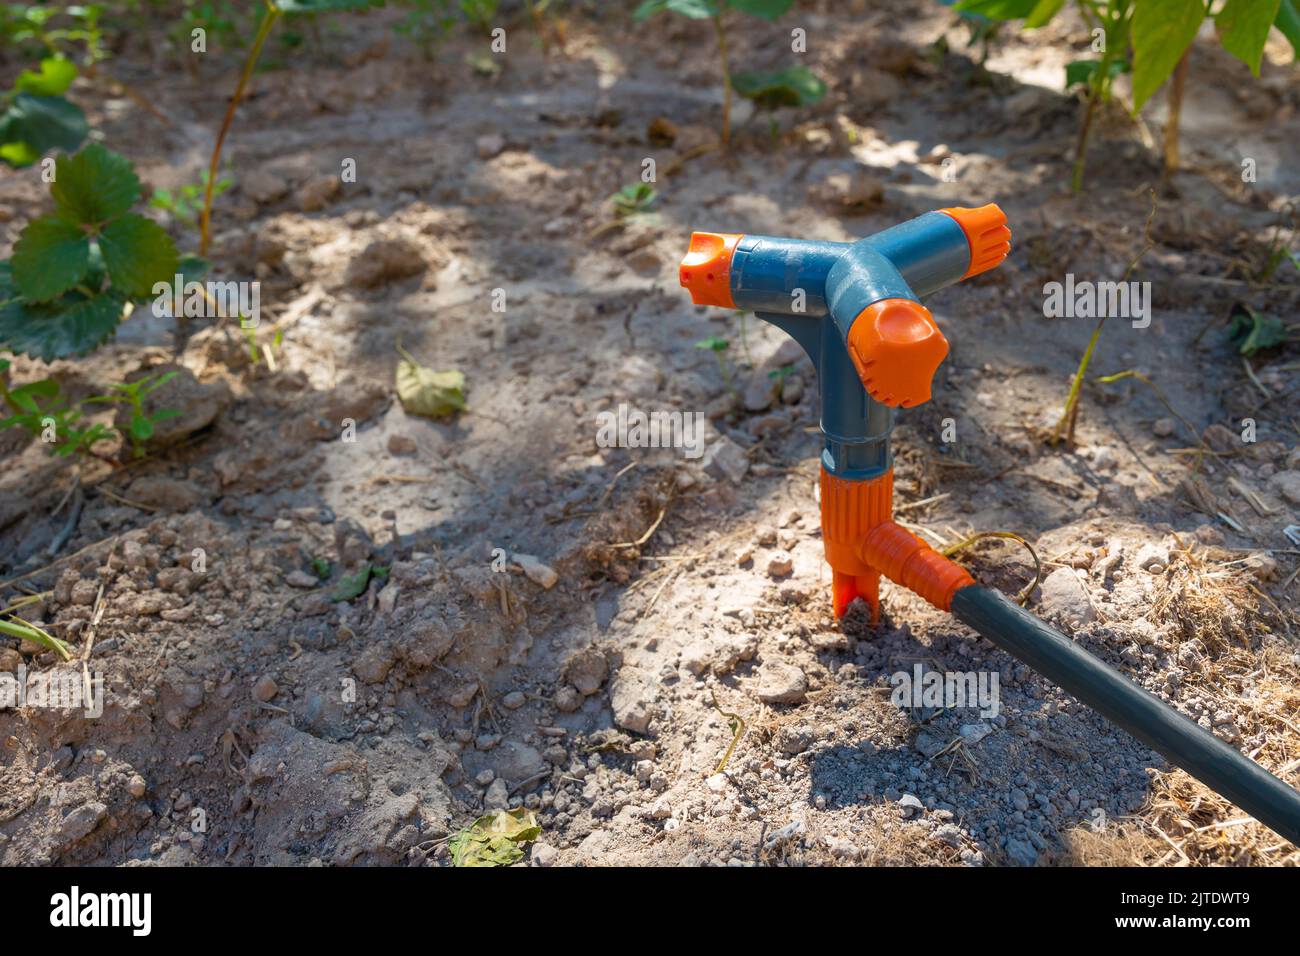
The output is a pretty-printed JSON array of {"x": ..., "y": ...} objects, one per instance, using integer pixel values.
[
  {"x": 34, "y": 116},
  {"x": 714, "y": 11},
  {"x": 1159, "y": 33},
  {"x": 75, "y": 273},
  {"x": 35, "y": 409}
]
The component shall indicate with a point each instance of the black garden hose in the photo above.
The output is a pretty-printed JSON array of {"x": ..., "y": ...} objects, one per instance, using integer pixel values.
[{"x": 1049, "y": 652}]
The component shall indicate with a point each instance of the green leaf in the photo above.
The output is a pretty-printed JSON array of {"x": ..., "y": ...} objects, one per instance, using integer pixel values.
[
  {"x": 33, "y": 125},
  {"x": 426, "y": 392},
  {"x": 795, "y": 86},
  {"x": 1251, "y": 331},
  {"x": 1162, "y": 31},
  {"x": 695, "y": 9},
  {"x": 351, "y": 585},
  {"x": 714, "y": 343},
  {"x": 137, "y": 253},
  {"x": 57, "y": 74},
  {"x": 1042, "y": 13},
  {"x": 141, "y": 428},
  {"x": 94, "y": 186},
  {"x": 766, "y": 9},
  {"x": 1288, "y": 21},
  {"x": 998, "y": 9},
  {"x": 1243, "y": 28},
  {"x": 50, "y": 258},
  {"x": 71, "y": 325},
  {"x": 494, "y": 839},
  {"x": 1082, "y": 71}
]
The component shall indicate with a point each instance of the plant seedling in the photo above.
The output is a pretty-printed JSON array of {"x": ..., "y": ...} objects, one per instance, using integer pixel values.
[
  {"x": 1250, "y": 331},
  {"x": 713, "y": 11},
  {"x": 185, "y": 203},
  {"x": 634, "y": 200},
  {"x": 141, "y": 425},
  {"x": 717, "y": 345}
]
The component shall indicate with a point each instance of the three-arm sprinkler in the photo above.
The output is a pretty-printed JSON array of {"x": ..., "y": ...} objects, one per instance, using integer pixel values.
[{"x": 856, "y": 309}]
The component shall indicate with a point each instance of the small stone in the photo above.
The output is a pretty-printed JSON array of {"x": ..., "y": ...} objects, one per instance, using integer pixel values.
[
  {"x": 725, "y": 459},
  {"x": 781, "y": 683},
  {"x": 264, "y": 688},
  {"x": 632, "y": 696},
  {"x": 543, "y": 854},
  {"x": 535, "y": 571},
  {"x": 587, "y": 671},
  {"x": 760, "y": 390},
  {"x": 301, "y": 579},
  {"x": 82, "y": 821},
  {"x": 10, "y": 660},
  {"x": 1019, "y": 800},
  {"x": 136, "y": 786},
  {"x": 910, "y": 806},
  {"x": 1152, "y": 558},
  {"x": 780, "y": 564},
  {"x": 717, "y": 782},
  {"x": 263, "y": 186},
  {"x": 1262, "y": 565},
  {"x": 514, "y": 700},
  {"x": 567, "y": 699},
  {"x": 744, "y": 555},
  {"x": 1064, "y": 597},
  {"x": 1287, "y": 484},
  {"x": 498, "y": 796},
  {"x": 317, "y": 193},
  {"x": 489, "y": 146},
  {"x": 1163, "y": 427},
  {"x": 402, "y": 445},
  {"x": 384, "y": 261}
]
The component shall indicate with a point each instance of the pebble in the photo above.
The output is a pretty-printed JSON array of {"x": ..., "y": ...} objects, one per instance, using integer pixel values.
[
  {"x": 1065, "y": 597},
  {"x": 910, "y": 806},
  {"x": 265, "y": 688},
  {"x": 567, "y": 699},
  {"x": 780, "y": 564},
  {"x": 781, "y": 683},
  {"x": 536, "y": 571},
  {"x": 514, "y": 700}
]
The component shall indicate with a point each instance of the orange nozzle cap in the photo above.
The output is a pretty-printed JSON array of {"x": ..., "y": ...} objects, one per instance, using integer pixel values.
[
  {"x": 706, "y": 270},
  {"x": 986, "y": 233},
  {"x": 896, "y": 347}
]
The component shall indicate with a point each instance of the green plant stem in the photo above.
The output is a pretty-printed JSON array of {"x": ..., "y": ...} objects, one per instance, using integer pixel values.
[
  {"x": 721, "y": 33},
  {"x": 1098, "y": 90},
  {"x": 263, "y": 31}
]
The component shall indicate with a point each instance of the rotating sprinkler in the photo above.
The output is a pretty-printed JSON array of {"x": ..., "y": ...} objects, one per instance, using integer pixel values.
[{"x": 855, "y": 308}]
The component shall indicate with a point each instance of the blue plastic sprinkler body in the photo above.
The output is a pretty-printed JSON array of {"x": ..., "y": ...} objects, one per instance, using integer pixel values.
[{"x": 855, "y": 308}]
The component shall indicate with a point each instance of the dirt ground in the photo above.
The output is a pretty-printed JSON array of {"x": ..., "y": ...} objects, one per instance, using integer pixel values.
[{"x": 301, "y": 730}]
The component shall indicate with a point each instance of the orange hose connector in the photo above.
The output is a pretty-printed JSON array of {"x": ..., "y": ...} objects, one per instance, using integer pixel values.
[{"x": 907, "y": 560}]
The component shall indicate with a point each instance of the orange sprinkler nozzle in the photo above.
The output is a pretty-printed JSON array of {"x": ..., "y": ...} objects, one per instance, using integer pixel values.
[
  {"x": 706, "y": 269},
  {"x": 896, "y": 348},
  {"x": 986, "y": 233}
]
